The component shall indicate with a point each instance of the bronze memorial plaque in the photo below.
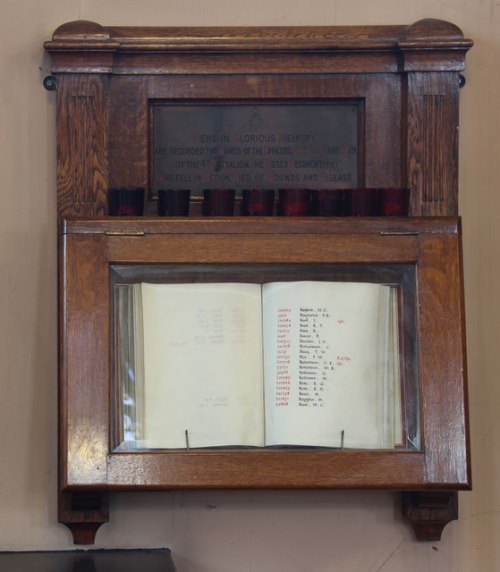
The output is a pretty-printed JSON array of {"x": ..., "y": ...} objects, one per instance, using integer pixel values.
[{"x": 272, "y": 145}]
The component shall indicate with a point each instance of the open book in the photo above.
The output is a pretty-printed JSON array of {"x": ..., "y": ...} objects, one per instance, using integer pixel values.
[{"x": 284, "y": 363}]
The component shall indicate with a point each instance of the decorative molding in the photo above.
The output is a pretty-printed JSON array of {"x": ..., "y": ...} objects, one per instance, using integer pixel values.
[{"x": 87, "y": 47}]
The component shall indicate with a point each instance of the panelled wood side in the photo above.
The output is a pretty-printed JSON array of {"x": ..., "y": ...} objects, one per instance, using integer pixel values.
[
  {"x": 82, "y": 145},
  {"x": 442, "y": 361},
  {"x": 84, "y": 407},
  {"x": 430, "y": 152},
  {"x": 129, "y": 131}
]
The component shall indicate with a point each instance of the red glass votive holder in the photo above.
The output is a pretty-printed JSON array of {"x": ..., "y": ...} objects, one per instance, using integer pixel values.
[
  {"x": 126, "y": 201},
  {"x": 393, "y": 201},
  {"x": 361, "y": 202},
  {"x": 257, "y": 202},
  {"x": 218, "y": 202},
  {"x": 294, "y": 202},
  {"x": 327, "y": 202},
  {"x": 173, "y": 202}
]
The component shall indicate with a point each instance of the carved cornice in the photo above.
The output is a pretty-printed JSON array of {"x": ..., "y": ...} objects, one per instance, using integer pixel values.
[{"x": 82, "y": 46}]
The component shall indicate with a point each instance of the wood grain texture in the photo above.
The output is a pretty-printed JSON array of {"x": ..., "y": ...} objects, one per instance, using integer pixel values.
[
  {"x": 430, "y": 33},
  {"x": 431, "y": 128},
  {"x": 262, "y": 225},
  {"x": 442, "y": 331},
  {"x": 260, "y": 469},
  {"x": 82, "y": 149},
  {"x": 84, "y": 388},
  {"x": 84, "y": 47},
  {"x": 83, "y": 513},
  {"x": 443, "y": 462},
  {"x": 429, "y": 512},
  {"x": 128, "y": 133}
]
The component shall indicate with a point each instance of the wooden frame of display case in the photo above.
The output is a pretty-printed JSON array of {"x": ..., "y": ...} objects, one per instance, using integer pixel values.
[{"x": 408, "y": 80}]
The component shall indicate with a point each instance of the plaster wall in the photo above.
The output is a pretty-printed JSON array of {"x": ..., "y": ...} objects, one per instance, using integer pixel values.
[{"x": 233, "y": 531}]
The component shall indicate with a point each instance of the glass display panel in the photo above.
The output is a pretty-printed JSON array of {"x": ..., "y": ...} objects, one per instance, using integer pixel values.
[
  {"x": 265, "y": 356},
  {"x": 268, "y": 146}
]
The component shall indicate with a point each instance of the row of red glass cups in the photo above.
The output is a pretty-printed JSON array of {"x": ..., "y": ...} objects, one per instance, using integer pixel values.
[{"x": 124, "y": 201}]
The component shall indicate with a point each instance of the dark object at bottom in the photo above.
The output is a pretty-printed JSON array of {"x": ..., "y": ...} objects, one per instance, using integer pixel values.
[
  {"x": 88, "y": 561},
  {"x": 257, "y": 202},
  {"x": 173, "y": 202},
  {"x": 126, "y": 201},
  {"x": 218, "y": 202},
  {"x": 327, "y": 202},
  {"x": 294, "y": 202}
]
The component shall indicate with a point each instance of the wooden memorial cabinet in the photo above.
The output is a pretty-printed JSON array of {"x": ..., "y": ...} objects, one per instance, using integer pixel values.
[{"x": 314, "y": 107}]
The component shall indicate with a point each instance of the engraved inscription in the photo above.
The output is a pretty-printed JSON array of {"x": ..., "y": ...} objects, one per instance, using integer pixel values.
[{"x": 255, "y": 146}]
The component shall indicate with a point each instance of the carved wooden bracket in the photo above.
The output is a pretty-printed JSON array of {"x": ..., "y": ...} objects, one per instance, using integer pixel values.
[
  {"x": 429, "y": 512},
  {"x": 83, "y": 513}
]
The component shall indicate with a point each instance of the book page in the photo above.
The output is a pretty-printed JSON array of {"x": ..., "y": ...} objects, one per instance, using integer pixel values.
[
  {"x": 325, "y": 382},
  {"x": 395, "y": 365},
  {"x": 202, "y": 365},
  {"x": 389, "y": 375}
]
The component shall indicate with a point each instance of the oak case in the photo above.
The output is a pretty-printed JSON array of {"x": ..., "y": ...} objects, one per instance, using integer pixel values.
[{"x": 407, "y": 79}]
